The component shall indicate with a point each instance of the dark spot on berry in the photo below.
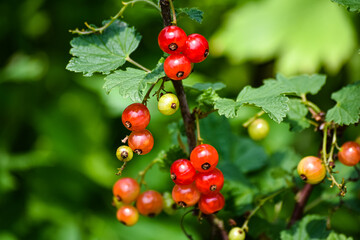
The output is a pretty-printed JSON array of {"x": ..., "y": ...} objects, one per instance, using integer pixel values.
[
  {"x": 182, "y": 204},
  {"x": 174, "y": 206},
  {"x": 118, "y": 198},
  {"x": 124, "y": 154},
  {"x": 151, "y": 215},
  {"x": 138, "y": 151},
  {"x": 127, "y": 124},
  {"x": 123, "y": 222},
  {"x": 240, "y": 231},
  {"x": 213, "y": 188},
  {"x": 332, "y": 164},
  {"x": 180, "y": 74},
  {"x": 303, "y": 177},
  {"x": 205, "y": 166},
  {"x": 173, "y": 46},
  {"x": 173, "y": 176},
  {"x": 173, "y": 105},
  {"x": 206, "y": 53}
]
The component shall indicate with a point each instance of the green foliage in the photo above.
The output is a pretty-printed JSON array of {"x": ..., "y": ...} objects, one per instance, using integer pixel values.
[
  {"x": 193, "y": 13},
  {"x": 351, "y": 5},
  {"x": 347, "y": 108},
  {"x": 296, "y": 116},
  {"x": 103, "y": 53},
  {"x": 172, "y": 154}
]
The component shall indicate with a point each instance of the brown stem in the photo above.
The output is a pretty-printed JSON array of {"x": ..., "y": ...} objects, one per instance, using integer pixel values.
[
  {"x": 218, "y": 224},
  {"x": 301, "y": 200}
]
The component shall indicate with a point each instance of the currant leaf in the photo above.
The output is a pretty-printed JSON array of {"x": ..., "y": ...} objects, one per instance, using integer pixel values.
[
  {"x": 336, "y": 236},
  {"x": 296, "y": 116},
  {"x": 347, "y": 108},
  {"x": 168, "y": 157},
  {"x": 193, "y": 13},
  {"x": 105, "y": 52},
  {"x": 351, "y": 5},
  {"x": 227, "y": 107}
]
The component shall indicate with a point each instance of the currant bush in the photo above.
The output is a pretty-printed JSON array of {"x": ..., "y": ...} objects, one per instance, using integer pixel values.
[
  {"x": 209, "y": 182},
  {"x": 172, "y": 39},
  {"x": 168, "y": 104},
  {"x": 177, "y": 66},
  {"x": 182, "y": 172}
]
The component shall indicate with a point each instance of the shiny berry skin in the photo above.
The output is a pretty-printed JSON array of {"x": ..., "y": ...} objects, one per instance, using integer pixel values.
[
  {"x": 237, "y": 233},
  {"x": 136, "y": 117},
  {"x": 182, "y": 172},
  {"x": 127, "y": 215},
  {"x": 209, "y": 182},
  {"x": 204, "y": 158},
  {"x": 168, "y": 104},
  {"x": 185, "y": 195},
  {"x": 172, "y": 39},
  {"x": 141, "y": 142},
  {"x": 197, "y": 48},
  {"x": 149, "y": 203},
  {"x": 258, "y": 129},
  {"x": 311, "y": 170},
  {"x": 126, "y": 190},
  {"x": 169, "y": 204},
  {"x": 209, "y": 204},
  {"x": 177, "y": 67},
  {"x": 124, "y": 153},
  {"x": 349, "y": 153}
]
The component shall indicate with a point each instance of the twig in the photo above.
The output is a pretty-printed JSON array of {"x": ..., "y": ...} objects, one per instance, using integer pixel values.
[
  {"x": 173, "y": 12},
  {"x": 199, "y": 139},
  {"x": 301, "y": 199},
  {"x": 142, "y": 174},
  {"x": 182, "y": 224},
  {"x": 257, "y": 115},
  {"x": 121, "y": 169}
]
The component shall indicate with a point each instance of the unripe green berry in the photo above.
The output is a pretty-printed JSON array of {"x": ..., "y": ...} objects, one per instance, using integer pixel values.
[
  {"x": 168, "y": 104},
  {"x": 169, "y": 204},
  {"x": 124, "y": 153},
  {"x": 258, "y": 129},
  {"x": 237, "y": 233}
]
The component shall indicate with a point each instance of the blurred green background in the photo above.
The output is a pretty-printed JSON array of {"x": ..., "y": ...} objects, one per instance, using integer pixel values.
[{"x": 59, "y": 130}]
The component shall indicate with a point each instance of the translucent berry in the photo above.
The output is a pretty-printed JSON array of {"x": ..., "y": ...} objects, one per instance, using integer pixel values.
[
  {"x": 149, "y": 203},
  {"x": 204, "y": 158},
  {"x": 258, "y": 129},
  {"x": 197, "y": 48},
  {"x": 185, "y": 195},
  {"x": 126, "y": 190},
  {"x": 237, "y": 233},
  {"x": 136, "y": 117},
  {"x": 349, "y": 153},
  {"x": 168, "y": 104},
  {"x": 127, "y": 215},
  {"x": 177, "y": 67},
  {"x": 172, "y": 39},
  {"x": 141, "y": 142},
  {"x": 209, "y": 182},
  {"x": 182, "y": 172},
  {"x": 311, "y": 170},
  {"x": 209, "y": 204},
  {"x": 169, "y": 204},
  {"x": 124, "y": 153}
]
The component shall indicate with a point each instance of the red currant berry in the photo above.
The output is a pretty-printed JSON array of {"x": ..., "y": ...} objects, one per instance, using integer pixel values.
[
  {"x": 172, "y": 39},
  {"x": 204, "y": 158},
  {"x": 182, "y": 172},
  {"x": 127, "y": 215},
  {"x": 311, "y": 170},
  {"x": 149, "y": 203},
  {"x": 209, "y": 204},
  {"x": 197, "y": 48},
  {"x": 141, "y": 142},
  {"x": 136, "y": 117},
  {"x": 177, "y": 67},
  {"x": 185, "y": 195},
  {"x": 349, "y": 153},
  {"x": 126, "y": 190},
  {"x": 209, "y": 182}
]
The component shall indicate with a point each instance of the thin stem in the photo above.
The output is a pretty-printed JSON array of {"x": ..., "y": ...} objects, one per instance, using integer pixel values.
[
  {"x": 142, "y": 174},
  {"x": 137, "y": 64},
  {"x": 121, "y": 169},
  {"x": 173, "y": 12},
  {"x": 301, "y": 199},
  {"x": 333, "y": 143},
  {"x": 182, "y": 224},
  {"x": 313, "y": 108},
  {"x": 199, "y": 139},
  {"x": 253, "y": 118}
]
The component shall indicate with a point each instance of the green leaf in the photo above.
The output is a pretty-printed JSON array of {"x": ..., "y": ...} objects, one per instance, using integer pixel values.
[
  {"x": 296, "y": 116},
  {"x": 193, "y": 13},
  {"x": 204, "y": 86},
  {"x": 347, "y": 108},
  {"x": 227, "y": 107},
  {"x": 351, "y": 5},
  {"x": 132, "y": 82},
  {"x": 310, "y": 227},
  {"x": 105, "y": 52},
  {"x": 171, "y": 155},
  {"x": 336, "y": 236}
]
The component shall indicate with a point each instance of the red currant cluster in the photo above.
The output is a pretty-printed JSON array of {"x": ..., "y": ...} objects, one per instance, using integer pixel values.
[
  {"x": 136, "y": 117},
  {"x": 198, "y": 180},
  {"x": 126, "y": 191},
  {"x": 184, "y": 50}
]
